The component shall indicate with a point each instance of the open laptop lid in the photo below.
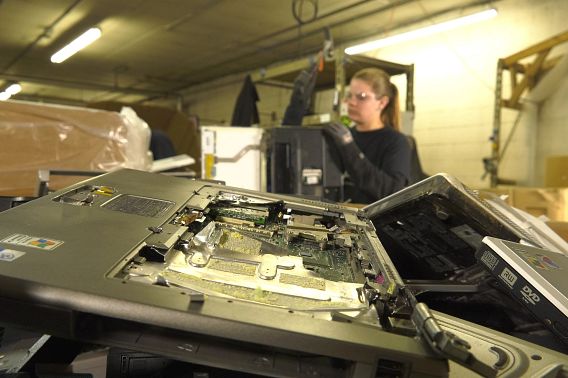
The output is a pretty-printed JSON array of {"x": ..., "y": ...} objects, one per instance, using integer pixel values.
[{"x": 436, "y": 225}]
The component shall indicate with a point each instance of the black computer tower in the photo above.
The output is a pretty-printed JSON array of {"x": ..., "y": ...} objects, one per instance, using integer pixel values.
[{"x": 302, "y": 161}]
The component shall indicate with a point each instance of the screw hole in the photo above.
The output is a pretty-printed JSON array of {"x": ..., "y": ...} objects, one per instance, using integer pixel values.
[{"x": 536, "y": 357}]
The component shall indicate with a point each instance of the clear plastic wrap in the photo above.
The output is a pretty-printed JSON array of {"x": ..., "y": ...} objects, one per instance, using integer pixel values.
[{"x": 38, "y": 136}]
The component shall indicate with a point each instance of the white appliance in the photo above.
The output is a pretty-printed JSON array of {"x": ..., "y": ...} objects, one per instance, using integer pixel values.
[{"x": 232, "y": 155}]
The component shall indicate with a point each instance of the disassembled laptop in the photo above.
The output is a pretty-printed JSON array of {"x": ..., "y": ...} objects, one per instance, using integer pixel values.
[{"x": 281, "y": 275}]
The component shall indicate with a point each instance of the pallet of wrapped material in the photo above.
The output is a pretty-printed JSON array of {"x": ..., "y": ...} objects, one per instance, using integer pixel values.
[{"x": 39, "y": 136}]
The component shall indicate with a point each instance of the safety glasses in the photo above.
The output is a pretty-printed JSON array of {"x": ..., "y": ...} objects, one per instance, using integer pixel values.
[{"x": 360, "y": 96}]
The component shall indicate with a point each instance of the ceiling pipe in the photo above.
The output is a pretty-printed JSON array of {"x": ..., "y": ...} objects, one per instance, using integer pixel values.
[
  {"x": 186, "y": 86},
  {"x": 84, "y": 85},
  {"x": 385, "y": 8},
  {"x": 474, "y": 4},
  {"x": 295, "y": 27},
  {"x": 51, "y": 100},
  {"x": 153, "y": 95},
  {"x": 358, "y": 37},
  {"x": 351, "y": 39},
  {"x": 70, "y": 84},
  {"x": 44, "y": 34},
  {"x": 274, "y": 34}
]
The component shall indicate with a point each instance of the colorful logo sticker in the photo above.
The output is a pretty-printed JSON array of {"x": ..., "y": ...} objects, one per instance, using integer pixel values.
[
  {"x": 9, "y": 254},
  {"x": 32, "y": 241},
  {"x": 540, "y": 261},
  {"x": 42, "y": 243}
]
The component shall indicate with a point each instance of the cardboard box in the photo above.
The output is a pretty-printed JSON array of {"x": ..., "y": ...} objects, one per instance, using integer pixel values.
[
  {"x": 550, "y": 202},
  {"x": 556, "y": 172},
  {"x": 37, "y": 136}
]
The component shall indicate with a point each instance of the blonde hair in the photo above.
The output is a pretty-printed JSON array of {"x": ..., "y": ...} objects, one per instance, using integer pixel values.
[{"x": 380, "y": 82}]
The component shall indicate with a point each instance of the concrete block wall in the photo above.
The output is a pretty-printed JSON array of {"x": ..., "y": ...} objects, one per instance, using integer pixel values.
[
  {"x": 454, "y": 95},
  {"x": 553, "y": 129},
  {"x": 214, "y": 102}
]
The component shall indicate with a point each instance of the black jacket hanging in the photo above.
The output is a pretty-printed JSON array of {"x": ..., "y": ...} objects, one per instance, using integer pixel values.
[{"x": 245, "y": 112}]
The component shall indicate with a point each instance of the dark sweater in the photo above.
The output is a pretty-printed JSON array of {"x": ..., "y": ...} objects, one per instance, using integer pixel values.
[{"x": 378, "y": 164}]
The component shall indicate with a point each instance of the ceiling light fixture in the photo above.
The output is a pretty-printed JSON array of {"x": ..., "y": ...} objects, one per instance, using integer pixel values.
[
  {"x": 12, "y": 89},
  {"x": 77, "y": 44},
  {"x": 422, "y": 32}
]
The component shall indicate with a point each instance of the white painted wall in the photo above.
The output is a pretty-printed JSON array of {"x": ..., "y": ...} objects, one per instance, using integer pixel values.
[{"x": 454, "y": 95}]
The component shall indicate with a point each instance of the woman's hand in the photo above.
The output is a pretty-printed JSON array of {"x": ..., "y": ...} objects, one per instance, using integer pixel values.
[{"x": 340, "y": 134}]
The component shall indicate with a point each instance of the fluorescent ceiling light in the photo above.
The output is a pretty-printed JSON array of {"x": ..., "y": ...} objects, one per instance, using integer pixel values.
[
  {"x": 77, "y": 44},
  {"x": 422, "y": 32},
  {"x": 11, "y": 90}
]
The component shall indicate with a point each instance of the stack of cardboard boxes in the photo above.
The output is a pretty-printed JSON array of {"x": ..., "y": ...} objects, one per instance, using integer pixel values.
[{"x": 549, "y": 202}]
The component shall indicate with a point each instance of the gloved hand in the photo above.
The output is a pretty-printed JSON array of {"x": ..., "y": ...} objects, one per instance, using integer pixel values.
[{"x": 340, "y": 134}]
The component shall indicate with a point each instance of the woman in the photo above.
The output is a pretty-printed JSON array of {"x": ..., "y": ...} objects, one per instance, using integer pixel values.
[{"x": 374, "y": 152}]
